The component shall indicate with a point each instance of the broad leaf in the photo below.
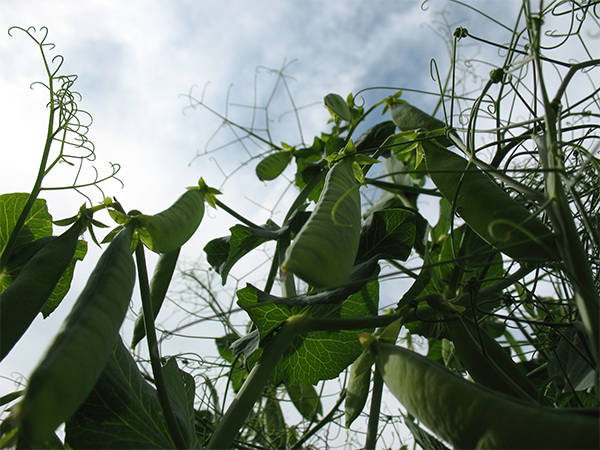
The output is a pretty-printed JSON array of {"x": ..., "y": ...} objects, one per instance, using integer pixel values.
[
  {"x": 222, "y": 253},
  {"x": 319, "y": 355},
  {"x": 273, "y": 165},
  {"x": 38, "y": 225},
  {"x": 338, "y": 105},
  {"x": 374, "y": 137},
  {"x": 64, "y": 284},
  {"x": 305, "y": 399},
  {"x": 387, "y": 234},
  {"x": 123, "y": 410}
]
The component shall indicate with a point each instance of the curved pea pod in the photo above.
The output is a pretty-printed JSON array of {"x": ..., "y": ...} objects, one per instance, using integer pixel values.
[
  {"x": 21, "y": 302},
  {"x": 358, "y": 386},
  {"x": 408, "y": 117},
  {"x": 323, "y": 252},
  {"x": 74, "y": 361},
  {"x": 161, "y": 279},
  {"x": 174, "y": 226},
  {"x": 485, "y": 369},
  {"x": 493, "y": 214},
  {"x": 471, "y": 416}
]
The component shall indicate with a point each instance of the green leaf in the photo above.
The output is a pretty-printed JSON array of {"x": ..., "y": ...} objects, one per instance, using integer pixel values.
[
  {"x": 222, "y": 253},
  {"x": 389, "y": 234},
  {"x": 64, "y": 284},
  {"x": 338, "y": 105},
  {"x": 274, "y": 423},
  {"x": 37, "y": 225},
  {"x": 273, "y": 165},
  {"x": 305, "y": 399},
  {"x": 320, "y": 355},
  {"x": 19, "y": 258},
  {"x": 568, "y": 364},
  {"x": 422, "y": 437},
  {"x": 123, "y": 410},
  {"x": 238, "y": 372},
  {"x": 374, "y": 137}
]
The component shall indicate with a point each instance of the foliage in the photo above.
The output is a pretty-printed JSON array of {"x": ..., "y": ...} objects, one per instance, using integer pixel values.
[{"x": 515, "y": 311}]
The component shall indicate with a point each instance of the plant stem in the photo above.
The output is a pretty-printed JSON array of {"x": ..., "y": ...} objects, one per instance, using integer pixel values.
[
  {"x": 242, "y": 404},
  {"x": 239, "y": 217},
  {"x": 159, "y": 379},
  {"x": 374, "y": 411}
]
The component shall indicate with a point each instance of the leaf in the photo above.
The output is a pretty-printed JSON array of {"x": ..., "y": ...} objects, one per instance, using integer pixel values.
[
  {"x": 422, "y": 437},
  {"x": 273, "y": 165},
  {"x": 374, "y": 137},
  {"x": 567, "y": 363},
  {"x": 238, "y": 372},
  {"x": 123, "y": 410},
  {"x": 64, "y": 284},
  {"x": 338, "y": 105},
  {"x": 320, "y": 355},
  {"x": 388, "y": 234},
  {"x": 37, "y": 225},
  {"x": 274, "y": 423},
  {"x": 222, "y": 253},
  {"x": 305, "y": 399}
]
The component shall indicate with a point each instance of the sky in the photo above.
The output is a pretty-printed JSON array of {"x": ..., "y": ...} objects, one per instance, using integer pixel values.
[{"x": 136, "y": 63}]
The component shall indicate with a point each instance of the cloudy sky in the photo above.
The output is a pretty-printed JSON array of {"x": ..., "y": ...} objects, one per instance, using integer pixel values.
[{"x": 137, "y": 60}]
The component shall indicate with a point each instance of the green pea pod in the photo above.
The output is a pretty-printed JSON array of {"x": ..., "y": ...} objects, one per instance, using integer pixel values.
[
  {"x": 161, "y": 279},
  {"x": 174, "y": 226},
  {"x": 21, "y": 302},
  {"x": 484, "y": 369},
  {"x": 73, "y": 363},
  {"x": 408, "y": 117},
  {"x": 358, "y": 386},
  {"x": 487, "y": 208},
  {"x": 470, "y": 416},
  {"x": 323, "y": 252}
]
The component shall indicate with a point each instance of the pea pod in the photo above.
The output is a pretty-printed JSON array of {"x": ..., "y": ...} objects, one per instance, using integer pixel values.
[
  {"x": 174, "y": 226},
  {"x": 21, "y": 302},
  {"x": 358, "y": 386},
  {"x": 408, "y": 117},
  {"x": 470, "y": 416},
  {"x": 488, "y": 369},
  {"x": 161, "y": 279},
  {"x": 488, "y": 209},
  {"x": 73, "y": 363},
  {"x": 323, "y": 252}
]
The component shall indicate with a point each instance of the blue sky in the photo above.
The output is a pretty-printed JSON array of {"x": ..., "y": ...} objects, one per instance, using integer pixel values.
[{"x": 135, "y": 59}]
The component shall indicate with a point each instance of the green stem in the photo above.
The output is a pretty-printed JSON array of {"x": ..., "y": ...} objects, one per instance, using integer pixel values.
[
  {"x": 241, "y": 406},
  {"x": 161, "y": 387},
  {"x": 239, "y": 217},
  {"x": 575, "y": 258},
  {"x": 374, "y": 411},
  {"x": 12, "y": 240}
]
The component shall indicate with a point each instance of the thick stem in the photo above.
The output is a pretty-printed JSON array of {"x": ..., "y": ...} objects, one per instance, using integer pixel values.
[
  {"x": 161, "y": 387},
  {"x": 374, "y": 411},
  {"x": 241, "y": 406}
]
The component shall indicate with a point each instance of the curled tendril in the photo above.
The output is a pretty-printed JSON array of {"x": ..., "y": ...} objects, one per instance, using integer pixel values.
[{"x": 70, "y": 124}]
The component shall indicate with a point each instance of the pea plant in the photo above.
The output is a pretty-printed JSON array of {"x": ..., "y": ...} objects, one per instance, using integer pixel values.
[{"x": 494, "y": 343}]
